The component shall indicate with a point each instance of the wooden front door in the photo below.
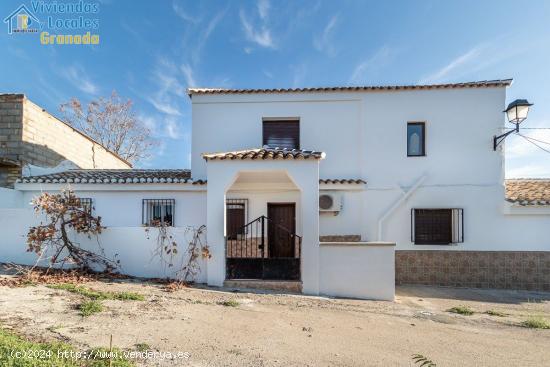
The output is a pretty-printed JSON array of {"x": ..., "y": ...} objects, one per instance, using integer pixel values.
[{"x": 281, "y": 228}]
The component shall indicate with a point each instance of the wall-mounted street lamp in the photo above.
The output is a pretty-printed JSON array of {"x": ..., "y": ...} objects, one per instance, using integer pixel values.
[{"x": 516, "y": 112}]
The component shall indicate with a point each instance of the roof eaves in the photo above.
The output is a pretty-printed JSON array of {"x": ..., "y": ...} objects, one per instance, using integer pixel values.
[{"x": 474, "y": 84}]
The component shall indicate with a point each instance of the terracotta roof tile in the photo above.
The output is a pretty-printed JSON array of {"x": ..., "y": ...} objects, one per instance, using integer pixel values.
[
  {"x": 342, "y": 181},
  {"x": 115, "y": 176},
  {"x": 266, "y": 153},
  {"x": 475, "y": 84},
  {"x": 528, "y": 191}
]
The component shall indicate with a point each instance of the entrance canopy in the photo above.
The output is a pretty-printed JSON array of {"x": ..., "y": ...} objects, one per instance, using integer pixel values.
[{"x": 280, "y": 182}]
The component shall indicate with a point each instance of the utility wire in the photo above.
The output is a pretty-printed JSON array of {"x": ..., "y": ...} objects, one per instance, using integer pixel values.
[
  {"x": 532, "y": 142},
  {"x": 530, "y": 137}
]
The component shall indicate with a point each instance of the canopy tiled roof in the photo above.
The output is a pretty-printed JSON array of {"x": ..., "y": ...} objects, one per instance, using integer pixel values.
[
  {"x": 528, "y": 191},
  {"x": 266, "y": 153},
  {"x": 341, "y": 181},
  {"x": 118, "y": 176},
  {"x": 475, "y": 84}
]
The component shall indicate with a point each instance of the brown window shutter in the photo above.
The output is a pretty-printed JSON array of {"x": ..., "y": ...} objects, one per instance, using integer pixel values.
[
  {"x": 282, "y": 134},
  {"x": 433, "y": 226}
]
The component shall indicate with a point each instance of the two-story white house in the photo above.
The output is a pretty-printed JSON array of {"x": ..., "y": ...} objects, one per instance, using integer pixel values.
[{"x": 341, "y": 191}]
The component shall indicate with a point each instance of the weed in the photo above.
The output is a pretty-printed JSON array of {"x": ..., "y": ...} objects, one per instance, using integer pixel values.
[
  {"x": 536, "y": 323},
  {"x": 142, "y": 347},
  {"x": 53, "y": 354},
  {"x": 461, "y": 310},
  {"x": 423, "y": 361},
  {"x": 496, "y": 313},
  {"x": 98, "y": 295},
  {"x": 54, "y": 328},
  {"x": 229, "y": 303},
  {"x": 88, "y": 308}
]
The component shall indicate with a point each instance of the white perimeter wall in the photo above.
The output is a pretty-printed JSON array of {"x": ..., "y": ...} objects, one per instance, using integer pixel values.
[
  {"x": 124, "y": 239},
  {"x": 361, "y": 270}
]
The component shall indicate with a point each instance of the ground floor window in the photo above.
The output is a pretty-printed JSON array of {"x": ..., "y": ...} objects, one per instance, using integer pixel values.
[
  {"x": 236, "y": 217},
  {"x": 156, "y": 212},
  {"x": 85, "y": 204},
  {"x": 437, "y": 226}
]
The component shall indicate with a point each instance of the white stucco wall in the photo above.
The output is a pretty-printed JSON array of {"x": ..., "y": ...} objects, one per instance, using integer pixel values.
[
  {"x": 364, "y": 136},
  {"x": 358, "y": 270},
  {"x": 119, "y": 208}
]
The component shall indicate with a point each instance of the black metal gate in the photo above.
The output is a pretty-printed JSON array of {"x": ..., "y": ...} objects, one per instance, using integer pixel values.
[{"x": 252, "y": 255}]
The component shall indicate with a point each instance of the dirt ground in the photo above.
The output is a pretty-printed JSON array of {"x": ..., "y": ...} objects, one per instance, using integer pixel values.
[{"x": 291, "y": 330}]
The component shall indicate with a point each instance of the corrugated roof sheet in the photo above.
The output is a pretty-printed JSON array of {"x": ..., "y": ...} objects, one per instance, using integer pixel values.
[
  {"x": 475, "y": 84},
  {"x": 528, "y": 191}
]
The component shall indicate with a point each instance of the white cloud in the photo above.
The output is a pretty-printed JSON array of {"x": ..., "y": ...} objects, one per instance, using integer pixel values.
[
  {"x": 299, "y": 73},
  {"x": 188, "y": 74},
  {"x": 369, "y": 67},
  {"x": 182, "y": 13},
  {"x": 519, "y": 147},
  {"x": 452, "y": 67},
  {"x": 77, "y": 76},
  {"x": 260, "y": 35},
  {"x": 170, "y": 90},
  {"x": 204, "y": 34},
  {"x": 172, "y": 128},
  {"x": 524, "y": 158},
  {"x": 323, "y": 42},
  {"x": 263, "y": 8},
  {"x": 529, "y": 171}
]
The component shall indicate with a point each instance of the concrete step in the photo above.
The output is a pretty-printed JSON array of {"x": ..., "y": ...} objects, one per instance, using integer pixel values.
[{"x": 273, "y": 285}]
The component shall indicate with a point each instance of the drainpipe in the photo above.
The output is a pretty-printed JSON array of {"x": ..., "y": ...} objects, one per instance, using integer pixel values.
[{"x": 398, "y": 203}]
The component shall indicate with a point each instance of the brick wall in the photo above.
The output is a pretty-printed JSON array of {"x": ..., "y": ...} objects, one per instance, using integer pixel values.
[
  {"x": 474, "y": 269},
  {"x": 30, "y": 135}
]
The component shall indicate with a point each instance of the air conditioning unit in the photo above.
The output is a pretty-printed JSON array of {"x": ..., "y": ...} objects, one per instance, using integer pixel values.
[{"x": 330, "y": 202}]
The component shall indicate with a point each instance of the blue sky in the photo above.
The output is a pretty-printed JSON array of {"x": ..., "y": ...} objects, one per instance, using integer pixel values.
[{"x": 151, "y": 51}]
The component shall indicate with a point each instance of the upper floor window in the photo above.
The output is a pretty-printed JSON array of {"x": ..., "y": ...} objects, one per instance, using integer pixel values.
[
  {"x": 281, "y": 133},
  {"x": 158, "y": 212},
  {"x": 416, "y": 139}
]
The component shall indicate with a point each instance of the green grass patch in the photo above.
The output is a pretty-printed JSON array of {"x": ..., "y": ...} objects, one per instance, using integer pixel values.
[
  {"x": 89, "y": 308},
  {"x": 496, "y": 313},
  {"x": 98, "y": 295},
  {"x": 461, "y": 310},
  {"x": 230, "y": 303},
  {"x": 15, "y": 351},
  {"x": 536, "y": 323}
]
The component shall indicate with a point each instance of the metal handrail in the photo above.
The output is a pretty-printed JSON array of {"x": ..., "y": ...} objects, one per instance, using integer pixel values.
[{"x": 251, "y": 228}]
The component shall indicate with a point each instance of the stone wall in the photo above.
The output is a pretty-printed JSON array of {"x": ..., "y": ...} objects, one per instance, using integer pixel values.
[
  {"x": 31, "y": 135},
  {"x": 11, "y": 117},
  {"x": 474, "y": 269}
]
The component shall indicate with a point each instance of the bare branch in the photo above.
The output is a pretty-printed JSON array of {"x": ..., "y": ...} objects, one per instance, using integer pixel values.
[{"x": 113, "y": 123}]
